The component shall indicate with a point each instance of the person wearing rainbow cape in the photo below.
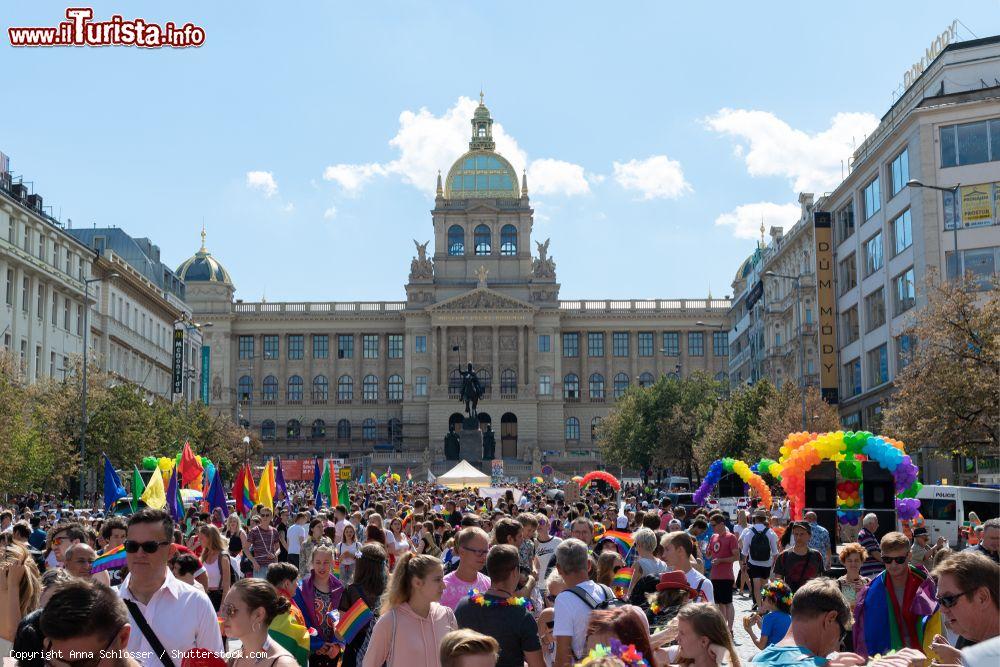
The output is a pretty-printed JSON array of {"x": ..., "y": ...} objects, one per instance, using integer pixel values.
[{"x": 898, "y": 608}]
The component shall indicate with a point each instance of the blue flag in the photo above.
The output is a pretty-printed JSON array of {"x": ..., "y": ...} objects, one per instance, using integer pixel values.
[
  {"x": 217, "y": 495},
  {"x": 280, "y": 489},
  {"x": 113, "y": 487},
  {"x": 174, "y": 504},
  {"x": 317, "y": 474}
]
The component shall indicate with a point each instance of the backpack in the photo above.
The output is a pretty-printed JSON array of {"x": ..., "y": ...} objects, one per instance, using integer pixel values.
[
  {"x": 610, "y": 600},
  {"x": 760, "y": 546}
]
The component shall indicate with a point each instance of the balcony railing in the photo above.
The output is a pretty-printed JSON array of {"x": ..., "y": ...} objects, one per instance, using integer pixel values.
[
  {"x": 324, "y": 308},
  {"x": 645, "y": 305}
]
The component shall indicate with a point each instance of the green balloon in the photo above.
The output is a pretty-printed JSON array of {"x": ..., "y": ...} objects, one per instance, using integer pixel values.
[
  {"x": 727, "y": 464},
  {"x": 149, "y": 463},
  {"x": 912, "y": 490},
  {"x": 850, "y": 469}
]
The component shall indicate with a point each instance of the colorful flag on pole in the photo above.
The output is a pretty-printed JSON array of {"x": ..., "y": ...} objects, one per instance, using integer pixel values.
[
  {"x": 113, "y": 487},
  {"x": 112, "y": 559},
  {"x": 343, "y": 493},
  {"x": 154, "y": 495},
  {"x": 353, "y": 621},
  {"x": 216, "y": 495},
  {"x": 323, "y": 489},
  {"x": 265, "y": 490},
  {"x": 174, "y": 504},
  {"x": 317, "y": 480},
  {"x": 190, "y": 467},
  {"x": 281, "y": 490},
  {"x": 138, "y": 486}
]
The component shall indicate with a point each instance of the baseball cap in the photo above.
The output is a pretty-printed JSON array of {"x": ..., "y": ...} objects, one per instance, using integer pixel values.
[{"x": 917, "y": 532}]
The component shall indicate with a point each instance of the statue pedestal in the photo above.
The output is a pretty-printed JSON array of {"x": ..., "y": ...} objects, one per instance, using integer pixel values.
[{"x": 471, "y": 446}]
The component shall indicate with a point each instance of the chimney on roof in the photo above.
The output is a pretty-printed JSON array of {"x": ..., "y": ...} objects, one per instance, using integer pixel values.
[{"x": 776, "y": 234}]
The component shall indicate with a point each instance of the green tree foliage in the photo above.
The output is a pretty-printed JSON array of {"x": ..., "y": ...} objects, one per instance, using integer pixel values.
[
  {"x": 734, "y": 428},
  {"x": 783, "y": 415}
]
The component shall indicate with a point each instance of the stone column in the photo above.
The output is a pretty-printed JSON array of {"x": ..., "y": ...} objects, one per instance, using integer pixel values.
[
  {"x": 633, "y": 355},
  {"x": 529, "y": 379},
  {"x": 443, "y": 350},
  {"x": 520, "y": 354},
  {"x": 495, "y": 368},
  {"x": 435, "y": 379},
  {"x": 470, "y": 351}
]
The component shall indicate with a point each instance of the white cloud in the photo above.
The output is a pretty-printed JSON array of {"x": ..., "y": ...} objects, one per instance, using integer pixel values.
[
  {"x": 771, "y": 147},
  {"x": 655, "y": 177},
  {"x": 288, "y": 208},
  {"x": 548, "y": 176},
  {"x": 745, "y": 220},
  {"x": 352, "y": 177},
  {"x": 330, "y": 213},
  {"x": 263, "y": 181}
]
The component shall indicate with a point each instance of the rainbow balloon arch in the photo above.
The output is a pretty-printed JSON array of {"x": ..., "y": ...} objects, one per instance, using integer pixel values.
[{"x": 727, "y": 465}]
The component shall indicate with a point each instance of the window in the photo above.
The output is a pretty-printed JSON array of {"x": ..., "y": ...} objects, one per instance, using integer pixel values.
[
  {"x": 845, "y": 222},
  {"x": 508, "y": 240},
  {"x": 619, "y": 343},
  {"x": 293, "y": 429},
  {"x": 671, "y": 344},
  {"x": 595, "y": 344},
  {"x": 369, "y": 346},
  {"x": 345, "y": 388},
  {"x": 571, "y": 387},
  {"x": 696, "y": 344},
  {"x": 847, "y": 273},
  {"x": 544, "y": 385},
  {"x": 852, "y": 378},
  {"x": 295, "y": 389},
  {"x": 369, "y": 388},
  {"x": 980, "y": 262},
  {"x": 244, "y": 388},
  {"x": 420, "y": 344},
  {"x": 873, "y": 198},
  {"x": 720, "y": 340},
  {"x": 595, "y": 424},
  {"x": 571, "y": 344},
  {"x": 270, "y": 347},
  {"x": 572, "y": 428},
  {"x": 544, "y": 343},
  {"x": 878, "y": 366},
  {"x": 849, "y": 325},
  {"x": 344, "y": 429},
  {"x": 456, "y": 240},
  {"x": 318, "y": 429},
  {"x": 646, "y": 380},
  {"x": 485, "y": 379},
  {"x": 970, "y": 143},
  {"x": 345, "y": 346},
  {"x": 270, "y": 393},
  {"x": 597, "y": 386},
  {"x": 645, "y": 343},
  {"x": 10, "y": 293},
  {"x": 267, "y": 430},
  {"x": 873, "y": 254},
  {"x": 296, "y": 346},
  {"x": 321, "y": 346},
  {"x": 906, "y": 344},
  {"x": 420, "y": 386},
  {"x": 874, "y": 310},
  {"x": 905, "y": 294},
  {"x": 455, "y": 382},
  {"x": 395, "y": 431},
  {"x": 621, "y": 383},
  {"x": 902, "y": 235},
  {"x": 395, "y": 388},
  {"x": 66, "y": 305},
  {"x": 900, "y": 169},
  {"x": 395, "y": 346},
  {"x": 508, "y": 381},
  {"x": 26, "y": 293},
  {"x": 368, "y": 430},
  {"x": 481, "y": 236},
  {"x": 321, "y": 389}
]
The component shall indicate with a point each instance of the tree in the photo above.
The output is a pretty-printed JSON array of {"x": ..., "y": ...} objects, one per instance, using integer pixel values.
[
  {"x": 732, "y": 430},
  {"x": 947, "y": 394},
  {"x": 782, "y": 415}
]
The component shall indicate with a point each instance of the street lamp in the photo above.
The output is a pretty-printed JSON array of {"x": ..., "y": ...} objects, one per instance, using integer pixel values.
[
  {"x": 802, "y": 350},
  {"x": 914, "y": 183},
  {"x": 83, "y": 393}
]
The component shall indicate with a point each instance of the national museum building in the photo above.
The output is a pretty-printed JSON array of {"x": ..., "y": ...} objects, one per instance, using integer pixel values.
[{"x": 348, "y": 379}]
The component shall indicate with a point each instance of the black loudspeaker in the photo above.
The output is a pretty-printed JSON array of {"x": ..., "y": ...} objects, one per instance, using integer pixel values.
[
  {"x": 828, "y": 519},
  {"x": 886, "y": 521},
  {"x": 731, "y": 486},
  {"x": 821, "y": 486},
  {"x": 878, "y": 488}
]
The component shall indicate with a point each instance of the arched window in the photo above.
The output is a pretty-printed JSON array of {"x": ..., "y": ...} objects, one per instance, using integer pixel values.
[
  {"x": 595, "y": 423},
  {"x": 245, "y": 388},
  {"x": 395, "y": 388},
  {"x": 456, "y": 240},
  {"x": 345, "y": 388},
  {"x": 295, "y": 389},
  {"x": 319, "y": 429},
  {"x": 368, "y": 430},
  {"x": 508, "y": 240},
  {"x": 267, "y": 430},
  {"x": 455, "y": 382},
  {"x": 369, "y": 388},
  {"x": 646, "y": 380},
  {"x": 344, "y": 429},
  {"x": 270, "y": 388},
  {"x": 395, "y": 432},
  {"x": 321, "y": 389},
  {"x": 293, "y": 429},
  {"x": 508, "y": 381},
  {"x": 621, "y": 384},
  {"x": 571, "y": 386},
  {"x": 485, "y": 379},
  {"x": 673, "y": 375},
  {"x": 572, "y": 428},
  {"x": 597, "y": 385},
  {"x": 481, "y": 235}
]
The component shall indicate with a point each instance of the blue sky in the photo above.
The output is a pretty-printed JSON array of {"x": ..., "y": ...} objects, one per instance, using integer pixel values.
[{"x": 306, "y": 135}]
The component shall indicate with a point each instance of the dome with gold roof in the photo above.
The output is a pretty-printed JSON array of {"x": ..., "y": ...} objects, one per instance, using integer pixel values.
[{"x": 482, "y": 173}]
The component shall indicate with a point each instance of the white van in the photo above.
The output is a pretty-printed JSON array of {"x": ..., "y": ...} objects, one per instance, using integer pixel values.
[{"x": 945, "y": 508}]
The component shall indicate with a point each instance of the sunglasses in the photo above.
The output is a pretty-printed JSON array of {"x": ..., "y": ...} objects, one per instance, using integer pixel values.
[
  {"x": 228, "y": 610},
  {"x": 949, "y": 601},
  {"x": 894, "y": 559},
  {"x": 132, "y": 547}
]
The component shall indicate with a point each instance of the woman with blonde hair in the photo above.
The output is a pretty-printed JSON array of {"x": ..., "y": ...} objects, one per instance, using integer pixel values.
[
  {"x": 703, "y": 637},
  {"x": 215, "y": 558},
  {"x": 20, "y": 589},
  {"x": 412, "y": 624}
]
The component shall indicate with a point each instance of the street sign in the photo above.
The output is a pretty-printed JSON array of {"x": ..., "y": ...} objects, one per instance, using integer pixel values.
[{"x": 178, "y": 361}]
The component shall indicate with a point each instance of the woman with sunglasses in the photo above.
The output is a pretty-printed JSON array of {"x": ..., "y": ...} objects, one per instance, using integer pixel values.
[
  {"x": 262, "y": 544},
  {"x": 247, "y": 613}
]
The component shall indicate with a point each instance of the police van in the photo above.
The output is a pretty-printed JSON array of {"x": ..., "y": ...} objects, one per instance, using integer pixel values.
[{"x": 946, "y": 508}]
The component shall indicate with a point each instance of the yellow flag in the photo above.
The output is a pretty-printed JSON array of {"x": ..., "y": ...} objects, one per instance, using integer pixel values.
[
  {"x": 265, "y": 490},
  {"x": 155, "y": 495}
]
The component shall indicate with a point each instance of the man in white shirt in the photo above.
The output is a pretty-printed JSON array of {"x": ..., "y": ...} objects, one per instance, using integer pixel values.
[
  {"x": 547, "y": 545},
  {"x": 297, "y": 533},
  {"x": 678, "y": 548},
  {"x": 180, "y": 616},
  {"x": 340, "y": 522},
  {"x": 572, "y": 613},
  {"x": 759, "y": 567}
]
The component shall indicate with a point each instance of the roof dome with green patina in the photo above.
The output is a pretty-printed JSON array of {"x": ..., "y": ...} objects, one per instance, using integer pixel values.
[{"x": 482, "y": 173}]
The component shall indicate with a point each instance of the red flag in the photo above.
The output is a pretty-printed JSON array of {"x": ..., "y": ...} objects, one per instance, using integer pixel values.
[
  {"x": 190, "y": 465},
  {"x": 333, "y": 484},
  {"x": 238, "y": 490},
  {"x": 250, "y": 483}
]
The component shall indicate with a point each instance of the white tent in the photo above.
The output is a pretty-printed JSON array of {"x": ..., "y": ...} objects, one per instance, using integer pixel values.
[{"x": 463, "y": 475}]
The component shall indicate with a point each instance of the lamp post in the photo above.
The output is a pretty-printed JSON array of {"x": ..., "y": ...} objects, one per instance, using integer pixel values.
[
  {"x": 83, "y": 393},
  {"x": 914, "y": 183},
  {"x": 802, "y": 350}
]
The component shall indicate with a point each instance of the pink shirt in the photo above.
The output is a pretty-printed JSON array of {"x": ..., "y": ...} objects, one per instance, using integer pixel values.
[
  {"x": 455, "y": 589},
  {"x": 665, "y": 519},
  {"x": 417, "y": 640},
  {"x": 723, "y": 546}
]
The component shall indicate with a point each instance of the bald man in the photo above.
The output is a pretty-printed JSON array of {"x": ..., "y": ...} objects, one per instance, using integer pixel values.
[{"x": 79, "y": 559}]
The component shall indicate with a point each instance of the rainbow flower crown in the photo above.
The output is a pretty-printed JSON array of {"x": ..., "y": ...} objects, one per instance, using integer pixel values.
[
  {"x": 778, "y": 591},
  {"x": 626, "y": 653}
]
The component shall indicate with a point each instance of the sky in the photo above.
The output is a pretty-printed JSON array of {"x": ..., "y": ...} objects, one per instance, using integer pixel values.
[{"x": 306, "y": 137}]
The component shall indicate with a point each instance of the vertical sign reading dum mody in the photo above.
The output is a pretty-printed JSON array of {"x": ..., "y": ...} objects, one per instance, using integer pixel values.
[
  {"x": 823, "y": 233},
  {"x": 178, "y": 361}
]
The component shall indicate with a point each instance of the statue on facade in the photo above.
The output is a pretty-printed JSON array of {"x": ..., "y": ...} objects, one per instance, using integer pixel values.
[
  {"x": 452, "y": 446},
  {"x": 472, "y": 391},
  {"x": 543, "y": 266},
  {"x": 489, "y": 444},
  {"x": 421, "y": 267}
]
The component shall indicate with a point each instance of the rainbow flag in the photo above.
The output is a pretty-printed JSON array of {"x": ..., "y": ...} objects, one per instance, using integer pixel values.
[
  {"x": 110, "y": 560},
  {"x": 374, "y": 478},
  {"x": 622, "y": 540},
  {"x": 623, "y": 578},
  {"x": 353, "y": 621},
  {"x": 292, "y": 634},
  {"x": 336, "y": 568}
]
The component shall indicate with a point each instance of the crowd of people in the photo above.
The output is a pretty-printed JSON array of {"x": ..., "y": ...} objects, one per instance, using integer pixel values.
[{"x": 421, "y": 576}]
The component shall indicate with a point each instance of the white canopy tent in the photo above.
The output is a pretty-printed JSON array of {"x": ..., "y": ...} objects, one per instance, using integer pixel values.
[{"x": 463, "y": 475}]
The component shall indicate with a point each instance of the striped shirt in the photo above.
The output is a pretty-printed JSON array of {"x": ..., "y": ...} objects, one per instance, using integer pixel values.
[
  {"x": 872, "y": 566},
  {"x": 264, "y": 544}
]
